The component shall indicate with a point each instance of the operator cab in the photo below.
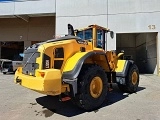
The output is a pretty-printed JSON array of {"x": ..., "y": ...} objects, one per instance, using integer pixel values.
[{"x": 94, "y": 34}]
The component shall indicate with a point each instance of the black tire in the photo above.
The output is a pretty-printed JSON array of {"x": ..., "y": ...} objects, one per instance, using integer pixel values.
[
  {"x": 4, "y": 73},
  {"x": 89, "y": 97},
  {"x": 132, "y": 80}
]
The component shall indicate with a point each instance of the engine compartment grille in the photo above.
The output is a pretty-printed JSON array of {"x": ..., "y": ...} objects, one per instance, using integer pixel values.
[
  {"x": 29, "y": 62},
  {"x": 58, "y": 58}
]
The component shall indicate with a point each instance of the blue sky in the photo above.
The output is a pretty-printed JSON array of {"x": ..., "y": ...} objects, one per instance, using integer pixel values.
[{"x": 6, "y": 0}]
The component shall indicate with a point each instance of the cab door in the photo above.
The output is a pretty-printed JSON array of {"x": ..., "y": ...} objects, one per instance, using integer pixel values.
[{"x": 101, "y": 38}]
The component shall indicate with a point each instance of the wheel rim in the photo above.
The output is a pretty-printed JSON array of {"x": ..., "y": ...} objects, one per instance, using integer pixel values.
[
  {"x": 134, "y": 78},
  {"x": 96, "y": 87}
]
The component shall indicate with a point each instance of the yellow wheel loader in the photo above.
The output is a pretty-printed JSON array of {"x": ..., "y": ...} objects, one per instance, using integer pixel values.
[{"x": 77, "y": 67}]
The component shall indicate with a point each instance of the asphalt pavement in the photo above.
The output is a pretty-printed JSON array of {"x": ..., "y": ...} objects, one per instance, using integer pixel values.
[{"x": 19, "y": 103}]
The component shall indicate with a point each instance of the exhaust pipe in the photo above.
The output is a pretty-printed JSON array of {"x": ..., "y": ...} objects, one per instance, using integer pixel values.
[{"x": 70, "y": 30}]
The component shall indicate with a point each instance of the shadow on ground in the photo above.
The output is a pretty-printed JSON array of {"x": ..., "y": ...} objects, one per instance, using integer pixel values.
[{"x": 52, "y": 105}]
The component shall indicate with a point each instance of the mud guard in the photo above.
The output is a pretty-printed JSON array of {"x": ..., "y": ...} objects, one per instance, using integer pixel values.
[
  {"x": 122, "y": 70},
  {"x": 73, "y": 67}
]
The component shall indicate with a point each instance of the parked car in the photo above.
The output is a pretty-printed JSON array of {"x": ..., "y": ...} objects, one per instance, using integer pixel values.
[
  {"x": 9, "y": 66},
  {"x": 5, "y": 65}
]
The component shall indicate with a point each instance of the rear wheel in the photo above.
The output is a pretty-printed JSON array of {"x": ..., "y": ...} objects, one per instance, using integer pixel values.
[
  {"x": 92, "y": 87},
  {"x": 132, "y": 80}
]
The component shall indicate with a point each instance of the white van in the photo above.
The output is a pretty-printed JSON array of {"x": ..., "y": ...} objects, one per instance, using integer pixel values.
[
  {"x": 16, "y": 64},
  {"x": 9, "y": 66}
]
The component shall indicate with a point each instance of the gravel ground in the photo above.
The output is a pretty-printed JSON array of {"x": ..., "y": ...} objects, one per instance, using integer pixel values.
[{"x": 19, "y": 103}]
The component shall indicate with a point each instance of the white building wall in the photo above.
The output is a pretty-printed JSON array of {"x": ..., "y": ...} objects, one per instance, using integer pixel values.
[
  {"x": 80, "y": 13},
  {"x": 158, "y": 52},
  {"x": 130, "y": 16},
  {"x": 27, "y": 7},
  {"x": 6, "y": 8},
  {"x": 122, "y": 16}
]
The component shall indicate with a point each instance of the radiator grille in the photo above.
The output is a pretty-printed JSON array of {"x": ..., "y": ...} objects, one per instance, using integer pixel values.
[{"x": 29, "y": 62}]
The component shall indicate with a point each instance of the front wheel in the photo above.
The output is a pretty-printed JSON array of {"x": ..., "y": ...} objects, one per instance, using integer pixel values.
[
  {"x": 92, "y": 87},
  {"x": 132, "y": 80}
]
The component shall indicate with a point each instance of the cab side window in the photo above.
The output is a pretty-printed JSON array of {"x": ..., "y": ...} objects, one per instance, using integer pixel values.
[{"x": 99, "y": 38}]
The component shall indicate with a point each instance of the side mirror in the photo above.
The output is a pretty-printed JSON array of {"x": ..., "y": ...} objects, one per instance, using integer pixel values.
[{"x": 112, "y": 34}]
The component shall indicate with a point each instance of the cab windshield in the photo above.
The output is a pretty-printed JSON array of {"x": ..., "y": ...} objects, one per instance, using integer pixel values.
[{"x": 85, "y": 34}]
